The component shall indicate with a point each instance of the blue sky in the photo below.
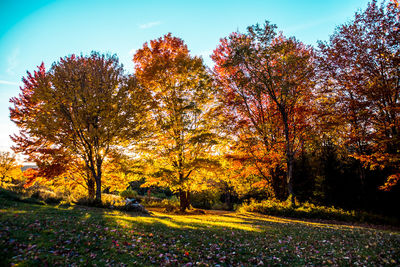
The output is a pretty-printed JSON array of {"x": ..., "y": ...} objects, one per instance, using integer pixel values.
[{"x": 44, "y": 30}]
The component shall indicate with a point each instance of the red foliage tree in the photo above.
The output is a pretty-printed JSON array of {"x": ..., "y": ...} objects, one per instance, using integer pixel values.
[
  {"x": 75, "y": 113},
  {"x": 360, "y": 70},
  {"x": 267, "y": 84}
]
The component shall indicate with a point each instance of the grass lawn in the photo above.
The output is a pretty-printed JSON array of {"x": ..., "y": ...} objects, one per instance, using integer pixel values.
[{"x": 43, "y": 235}]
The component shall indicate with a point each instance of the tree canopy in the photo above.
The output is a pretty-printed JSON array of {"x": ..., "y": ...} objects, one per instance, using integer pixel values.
[
  {"x": 182, "y": 136},
  {"x": 274, "y": 118},
  {"x": 359, "y": 68},
  {"x": 267, "y": 80},
  {"x": 83, "y": 106}
]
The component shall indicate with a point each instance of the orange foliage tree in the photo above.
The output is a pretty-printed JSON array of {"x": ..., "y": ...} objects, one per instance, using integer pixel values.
[
  {"x": 182, "y": 135},
  {"x": 9, "y": 168},
  {"x": 121, "y": 169}
]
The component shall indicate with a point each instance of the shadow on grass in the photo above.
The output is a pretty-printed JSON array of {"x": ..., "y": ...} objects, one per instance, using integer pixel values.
[
  {"x": 317, "y": 223},
  {"x": 40, "y": 235},
  {"x": 49, "y": 235}
]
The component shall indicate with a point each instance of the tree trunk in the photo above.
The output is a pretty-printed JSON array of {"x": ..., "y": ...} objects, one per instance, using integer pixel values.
[
  {"x": 229, "y": 200},
  {"x": 279, "y": 183},
  {"x": 184, "y": 197},
  {"x": 188, "y": 199},
  {"x": 289, "y": 177},
  {"x": 289, "y": 158},
  {"x": 91, "y": 188},
  {"x": 361, "y": 195},
  {"x": 98, "y": 182},
  {"x": 98, "y": 188},
  {"x": 182, "y": 200}
]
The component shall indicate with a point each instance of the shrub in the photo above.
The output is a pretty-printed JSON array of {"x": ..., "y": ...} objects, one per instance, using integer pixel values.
[
  {"x": 47, "y": 196},
  {"x": 13, "y": 196},
  {"x": 9, "y": 195},
  {"x": 218, "y": 205},
  {"x": 107, "y": 201},
  {"x": 311, "y": 211},
  {"x": 208, "y": 199},
  {"x": 169, "y": 204},
  {"x": 129, "y": 193},
  {"x": 17, "y": 188},
  {"x": 110, "y": 201}
]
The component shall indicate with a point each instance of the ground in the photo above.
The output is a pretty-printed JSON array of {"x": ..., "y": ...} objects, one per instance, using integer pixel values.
[{"x": 43, "y": 235}]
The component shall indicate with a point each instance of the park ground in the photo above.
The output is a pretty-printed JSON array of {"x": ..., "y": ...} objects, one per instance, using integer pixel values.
[{"x": 47, "y": 235}]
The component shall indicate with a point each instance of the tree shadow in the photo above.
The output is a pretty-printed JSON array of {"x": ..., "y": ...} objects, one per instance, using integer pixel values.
[{"x": 40, "y": 235}]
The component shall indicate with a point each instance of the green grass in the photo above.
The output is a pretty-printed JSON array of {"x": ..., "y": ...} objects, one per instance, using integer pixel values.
[{"x": 32, "y": 234}]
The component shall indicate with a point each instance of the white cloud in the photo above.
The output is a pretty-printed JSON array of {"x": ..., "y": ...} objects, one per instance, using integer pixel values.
[
  {"x": 10, "y": 83},
  {"x": 149, "y": 25},
  {"x": 13, "y": 61}
]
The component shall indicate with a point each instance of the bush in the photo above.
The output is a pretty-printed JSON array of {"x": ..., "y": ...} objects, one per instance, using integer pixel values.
[
  {"x": 107, "y": 201},
  {"x": 311, "y": 211},
  {"x": 129, "y": 193},
  {"x": 17, "y": 188},
  {"x": 110, "y": 201},
  {"x": 9, "y": 195},
  {"x": 47, "y": 196},
  {"x": 169, "y": 204},
  {"x": 208, "y": 199},
  {"x": 85, "y": 201},
  {"x": 220, "y": 206},
  {"x": 13, "y": 196}
]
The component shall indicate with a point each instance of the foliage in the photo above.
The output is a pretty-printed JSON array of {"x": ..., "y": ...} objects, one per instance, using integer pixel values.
[
  {"x": 129, "y": 193},
  {"x": 266, "y": 82},
  {"x": 9, "y": 169},
  {"x": 275, "y": 118},
  {"x": 182, "y": 134},
  {"x": 120, "y": 169},
  {"x": 359, "y": 67},
  {"x": 13, "y": 196},
  {"x": 204, "y": 199},
  {"x": 169, "y": 204},
  {"x": 77, "y": 111}
]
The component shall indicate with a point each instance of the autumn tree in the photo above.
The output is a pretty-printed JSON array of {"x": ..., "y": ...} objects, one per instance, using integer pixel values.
[
  {"x": 82, "y": 107},
  {"x": 121, "y": 168},
  {"x": 267, "y": 82},
  {"x": 53, "y": 163},
  {"x": 359, "y": 68},
  {"x": 8, "y": 167},
  {"x": 51, "y": 160},
  {"x": 182, "y": 113}
]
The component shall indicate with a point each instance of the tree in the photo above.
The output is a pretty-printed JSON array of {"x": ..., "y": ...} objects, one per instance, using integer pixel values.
[
  {"x": 80, "y": 108},
  {"x": 8, "y": 167},
  {"x": 182, "y": 113},
  {"x": 121, "y": 169},
  {"x": 267, "y": 82},
  {"x": 360, "y": 67},
  {"x": 53, "y": 163}
]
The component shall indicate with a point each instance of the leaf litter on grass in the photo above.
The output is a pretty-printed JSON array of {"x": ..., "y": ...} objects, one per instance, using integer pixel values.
[{"x": 47, "y": 235}]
